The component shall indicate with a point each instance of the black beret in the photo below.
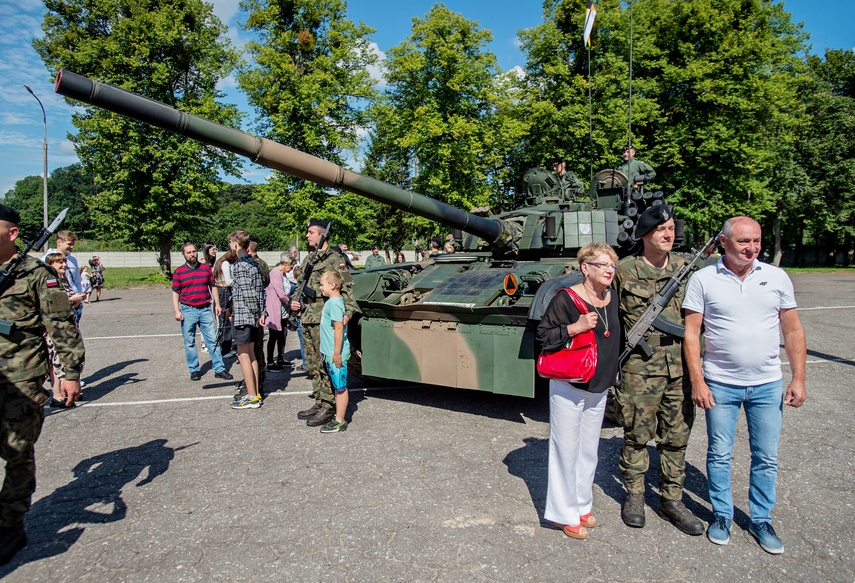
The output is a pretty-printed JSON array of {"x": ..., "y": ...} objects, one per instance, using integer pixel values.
[
  {"x": 557, "y": 161},
  {"x": 375, "y": 247},
  {"x": 9, "y": 214},
  {"x": 652, "y": 218},
  {"x": 317, "y": 223}
]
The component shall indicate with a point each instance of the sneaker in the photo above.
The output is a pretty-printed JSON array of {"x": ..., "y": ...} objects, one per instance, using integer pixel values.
[
  {"x": 275, "y": 368},
  {"x": 765, "y": 535},
  {"x": 241, "y": 391},
  {"x": 195, "y": 376},
  {"x": 247, "y": 402},
  {"x": 204, "y": 347},
  {"x": 334, "y": 426},
  {"x": 225, "y": 375},
  {"x": 302, "y": 368},
  {"x": 230, "y": 354},
  {"x": 719, "y": 531}
]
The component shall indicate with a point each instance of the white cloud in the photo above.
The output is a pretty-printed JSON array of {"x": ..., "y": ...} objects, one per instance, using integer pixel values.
[{"x": 378, "y": 71}]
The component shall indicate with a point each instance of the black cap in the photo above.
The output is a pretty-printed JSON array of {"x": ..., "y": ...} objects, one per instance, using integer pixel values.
[
  {"x": 557, "y": 161},
  {"x": 375, "y": 247},
  {"x": 317, "y": 223},
  {"x": 9, "y": 214},
  {"x": 628, "y": 147},
  {"x": 652, "y": 218}
]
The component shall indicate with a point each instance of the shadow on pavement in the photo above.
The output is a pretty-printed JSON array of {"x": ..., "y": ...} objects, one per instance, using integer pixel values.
[
  {"x": 103, "y": 381},
  {"x": 54, "y": 523}
]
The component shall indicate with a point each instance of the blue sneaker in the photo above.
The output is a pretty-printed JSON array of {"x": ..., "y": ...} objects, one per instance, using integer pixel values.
[
  {"x": 719, "y": 531},
  {"x": 765, "y": 535}
]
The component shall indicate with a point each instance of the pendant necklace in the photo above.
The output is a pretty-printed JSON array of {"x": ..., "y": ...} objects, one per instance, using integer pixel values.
[{"x": 605, "y": 315}]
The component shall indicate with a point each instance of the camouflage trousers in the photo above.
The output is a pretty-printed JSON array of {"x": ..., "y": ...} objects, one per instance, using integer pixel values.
[
  {"x": 21, "y": 417},
  {"x": 321, "y": 385},
  {"x": 660, "y": 408}
]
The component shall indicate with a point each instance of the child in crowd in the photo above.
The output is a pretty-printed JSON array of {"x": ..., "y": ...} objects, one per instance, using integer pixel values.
[
  {"x": 86, "y": 283},
  {"x": 60, "y": 264},
  {"x": 335, "y": 347}
]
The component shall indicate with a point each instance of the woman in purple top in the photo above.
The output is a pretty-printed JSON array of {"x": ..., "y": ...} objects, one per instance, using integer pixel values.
[{"x": 277, "y": 299}]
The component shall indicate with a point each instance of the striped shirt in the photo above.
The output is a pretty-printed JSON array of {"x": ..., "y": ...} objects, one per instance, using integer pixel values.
[{"x": 192, "y": 284}]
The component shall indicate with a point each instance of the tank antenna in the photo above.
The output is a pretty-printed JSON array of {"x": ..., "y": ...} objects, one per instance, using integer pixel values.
[{"x": 629, "y": 121}]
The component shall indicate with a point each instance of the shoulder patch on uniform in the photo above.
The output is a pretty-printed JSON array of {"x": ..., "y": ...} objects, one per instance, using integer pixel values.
[
  {"x": 51, "y": 282},
  {"x": 342, "y": 265}
]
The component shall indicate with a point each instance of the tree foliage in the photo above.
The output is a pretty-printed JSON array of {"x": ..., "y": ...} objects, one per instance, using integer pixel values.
[
  {"x": 309, "y": 81},
  {"x": 151, "y": 184},
  {"x": 67, "y": 188}
]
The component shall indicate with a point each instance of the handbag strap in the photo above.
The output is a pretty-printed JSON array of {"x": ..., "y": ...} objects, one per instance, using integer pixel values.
[{"x": 579, "y": 302}]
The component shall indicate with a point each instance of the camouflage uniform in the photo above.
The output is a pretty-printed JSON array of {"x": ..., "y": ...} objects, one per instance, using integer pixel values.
[
  {"x": 330, "y": 259},
  {"x": 571, "y": 187},
  {"x": 633, "y": 168},
  {"x": 653, "y": 400},
  {"x": 34, "y": 303}
]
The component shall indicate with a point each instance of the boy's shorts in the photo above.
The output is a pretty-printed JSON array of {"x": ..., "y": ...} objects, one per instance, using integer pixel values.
[
  {"x": 338, "y": 376},
  {"x": 244, "y": 334}
]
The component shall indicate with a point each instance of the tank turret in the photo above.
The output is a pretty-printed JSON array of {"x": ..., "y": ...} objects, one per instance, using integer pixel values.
[{"x": 464, "y": 319}]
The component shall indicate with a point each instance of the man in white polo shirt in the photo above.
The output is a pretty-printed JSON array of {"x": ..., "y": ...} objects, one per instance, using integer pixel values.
[{"x": 744, "y": 306}]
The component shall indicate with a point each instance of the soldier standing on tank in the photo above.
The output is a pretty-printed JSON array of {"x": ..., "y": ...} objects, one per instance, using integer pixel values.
[
  {"x": 632, "y": 167},
  {"x": 32, "y": 302},
  {"x": 653, "y": 401},
  {"x": 310, "y": 307},
  {"x": 571, "y": 187}
]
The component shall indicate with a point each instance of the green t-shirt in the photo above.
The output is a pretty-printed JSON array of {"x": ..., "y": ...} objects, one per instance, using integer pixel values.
[{"x": 333, "y": 312}]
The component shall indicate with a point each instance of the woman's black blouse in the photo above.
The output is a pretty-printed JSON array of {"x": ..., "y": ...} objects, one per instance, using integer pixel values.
[{"x": 552, "y": 335}]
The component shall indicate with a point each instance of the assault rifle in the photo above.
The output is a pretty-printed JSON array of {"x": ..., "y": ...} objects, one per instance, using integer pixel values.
[
  {"x": 45, "y": 234},
  {"x": 651, "y": 318},
  {"x": 8, "y": 271},
  {"x": 303, "y": 290}
]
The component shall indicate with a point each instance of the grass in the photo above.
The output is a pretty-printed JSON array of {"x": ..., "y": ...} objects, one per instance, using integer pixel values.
[
  {"x": 839, "y": 269},
  {"x": 126, "y": 277}
]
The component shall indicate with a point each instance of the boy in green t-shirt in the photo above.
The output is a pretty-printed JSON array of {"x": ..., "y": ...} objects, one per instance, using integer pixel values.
[{"x": 335, "y": 347}]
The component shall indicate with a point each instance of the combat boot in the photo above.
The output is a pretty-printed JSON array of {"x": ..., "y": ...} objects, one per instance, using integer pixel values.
[
  {"x": 677, "y": 513},
  {"x": 632, "y": 512},
  {"x": 310, "y": 412},
  {"x": 323, "y": 415}
]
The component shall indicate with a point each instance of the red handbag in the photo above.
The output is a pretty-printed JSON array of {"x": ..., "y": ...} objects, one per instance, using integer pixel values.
[{"x": 577, "y": 362}]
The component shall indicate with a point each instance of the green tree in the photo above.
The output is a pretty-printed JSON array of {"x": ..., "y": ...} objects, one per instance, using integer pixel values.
[
  {"x": 715, "y": 97},
  {"x": 446, "y": 110},
  {"x": 151, "y": 184},
  {"x": 67, "y": 188},
  {"x": 310, "y": 82}
]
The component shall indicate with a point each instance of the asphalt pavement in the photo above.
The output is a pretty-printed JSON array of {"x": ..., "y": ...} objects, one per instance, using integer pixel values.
[{"x": 155, "y": 478}]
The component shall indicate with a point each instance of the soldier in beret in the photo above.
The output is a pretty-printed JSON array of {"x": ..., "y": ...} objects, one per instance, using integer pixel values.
[
  {"x": 653, "y": 401},
  {"x": 632, "y": 167},
  {"x": 33, "y": 302},
  {"x": 310, "y": 306}
]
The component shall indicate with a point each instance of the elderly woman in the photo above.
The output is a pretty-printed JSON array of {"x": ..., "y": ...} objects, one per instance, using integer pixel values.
[{"x": 576, "y": 409}]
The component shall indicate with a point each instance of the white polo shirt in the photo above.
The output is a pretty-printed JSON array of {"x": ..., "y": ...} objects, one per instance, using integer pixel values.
[{"x": 742, "y": 332}]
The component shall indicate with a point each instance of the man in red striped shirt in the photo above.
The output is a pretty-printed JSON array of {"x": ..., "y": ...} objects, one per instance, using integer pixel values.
[{"x": 193, "y": 289}]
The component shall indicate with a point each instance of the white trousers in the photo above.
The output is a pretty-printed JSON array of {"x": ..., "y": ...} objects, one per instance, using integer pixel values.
[{"x": 575, "y": 419}]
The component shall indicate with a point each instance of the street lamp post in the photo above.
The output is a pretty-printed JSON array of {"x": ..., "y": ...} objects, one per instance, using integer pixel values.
[{"x": 44, "y": 181}]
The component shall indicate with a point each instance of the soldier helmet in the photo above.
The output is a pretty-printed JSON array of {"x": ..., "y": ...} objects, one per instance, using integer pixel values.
[
  {"x": 652, "y": 218},
  {"x": 9, "y": 215},
  {"x": 317, "y": 223}
]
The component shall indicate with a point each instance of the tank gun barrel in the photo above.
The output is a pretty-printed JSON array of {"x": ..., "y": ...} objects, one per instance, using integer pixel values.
[{"x": 277, "y": 156}]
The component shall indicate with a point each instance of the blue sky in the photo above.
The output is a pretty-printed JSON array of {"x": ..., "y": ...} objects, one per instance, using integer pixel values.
[{"x": 829, "y": 23}]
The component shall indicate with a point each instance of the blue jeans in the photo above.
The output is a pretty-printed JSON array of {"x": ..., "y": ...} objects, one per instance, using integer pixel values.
[
  {"x": 204, "y": 318},
  {"x": 300, "y": 336},
  {"x": 764, "y": 414}
]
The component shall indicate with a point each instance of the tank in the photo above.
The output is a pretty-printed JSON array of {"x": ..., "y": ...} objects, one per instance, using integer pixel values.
[{"x": 465, "y": 319}]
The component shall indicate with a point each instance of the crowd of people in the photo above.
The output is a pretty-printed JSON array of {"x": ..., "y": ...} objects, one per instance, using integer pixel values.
[
  {"x": 233, "y": 298},
  {"x": 743, "y": 306}
]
